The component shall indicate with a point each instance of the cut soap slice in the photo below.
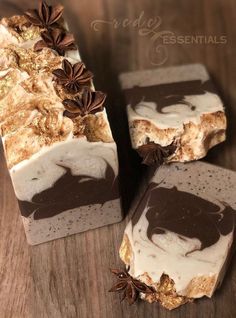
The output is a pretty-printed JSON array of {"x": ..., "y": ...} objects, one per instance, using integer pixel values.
[
  {"x": 180, "y": 238},
  {"x": 175, "y": 108}
]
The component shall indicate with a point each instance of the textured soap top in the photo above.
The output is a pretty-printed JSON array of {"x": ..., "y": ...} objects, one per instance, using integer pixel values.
[{"x": 44, "y": 100}]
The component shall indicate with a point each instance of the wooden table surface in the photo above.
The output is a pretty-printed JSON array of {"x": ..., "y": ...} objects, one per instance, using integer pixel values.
[{"x": 70, "y": 277}]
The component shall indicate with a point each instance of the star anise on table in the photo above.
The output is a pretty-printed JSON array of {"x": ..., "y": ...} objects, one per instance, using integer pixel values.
[
  {"x": 72, "y": 77},
  {"x": 130, "y": 286},
  {"x": 90, "y": 103},
  {"x": 57, "y": 40},
  {"x": 46, "y": 16},
  {"x": 155, "y": 154}
]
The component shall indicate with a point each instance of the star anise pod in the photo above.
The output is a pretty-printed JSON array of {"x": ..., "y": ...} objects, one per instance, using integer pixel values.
[
  {"x": 155, "y": 154},
  {"x": 46, "y": 16},
  {"x": 57, "y": 40},
  {"x": 72, "y": 77},
  {"x": 130, "y": 286},
  {"x": 90, "y": 103}
]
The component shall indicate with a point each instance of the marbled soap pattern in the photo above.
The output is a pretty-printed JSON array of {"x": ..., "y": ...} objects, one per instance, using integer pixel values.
[
  {"x": 184, "y": 226},
  {"x": 177, "y": 105}
]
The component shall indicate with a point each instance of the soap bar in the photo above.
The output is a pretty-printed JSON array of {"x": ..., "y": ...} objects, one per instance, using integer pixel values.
[
  {"x": 58, "y": 144},
  {"x": 181, "y": 237},
  {"x": 174, "y": 113}
]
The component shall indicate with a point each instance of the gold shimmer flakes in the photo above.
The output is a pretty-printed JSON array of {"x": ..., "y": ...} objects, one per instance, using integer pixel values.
[
  {"x": 8, "y": 59},
  {"x": 26, "y": 141},
  {"x": 22, "y": 114},
  {"x": 19, "y": 28},
  {"x": 167, "y": 295},
  {"x": 15, "y": 121},
  {"x": 53, "y": 125},
  {"x": 96, "y": 128},
  {"x": 30, "y": 34},
  {"x": 31, "y": 62},
  {"x": 165, "y": 291},
  {"x": 7, "y": 81},
  {"x": 32, "y": 99}
]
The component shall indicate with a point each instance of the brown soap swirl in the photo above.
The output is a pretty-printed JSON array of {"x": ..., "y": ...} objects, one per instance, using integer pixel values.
[
  {"x": 70, "y": 192},
  {"x": 167, "y": 94},
  {"x": 185, "y": 214}
]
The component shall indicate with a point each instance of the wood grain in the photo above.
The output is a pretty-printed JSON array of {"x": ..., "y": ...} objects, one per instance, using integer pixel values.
[{"x": 69, "y": 277}]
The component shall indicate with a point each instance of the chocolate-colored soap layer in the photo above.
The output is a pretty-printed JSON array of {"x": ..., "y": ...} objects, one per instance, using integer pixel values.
[
  {"x": 185, "y": 214},
  {"x": 167, "y": 94},
  {"x": 70, "y": 192}
]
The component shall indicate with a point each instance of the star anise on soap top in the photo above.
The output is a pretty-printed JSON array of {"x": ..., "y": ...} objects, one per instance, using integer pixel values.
[
  {"x": 46, "y": 16},
  {"x": 155, "y": 154},
  {"x": 57, "y": 40},
  {"x": 89, "y": 103},
  {"x": 72, "y": 77},
  {"x": 130, "y": 286}
]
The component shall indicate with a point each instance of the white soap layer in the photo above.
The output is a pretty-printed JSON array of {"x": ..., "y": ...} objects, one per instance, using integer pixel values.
[
  {"x": 42, "y": 170},
  {"x": 175, "y": 116},
  {"x": 170, "y": 256}
]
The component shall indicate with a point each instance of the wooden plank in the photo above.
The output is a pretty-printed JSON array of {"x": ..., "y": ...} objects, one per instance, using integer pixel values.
[{"x": 70, "y": 277}]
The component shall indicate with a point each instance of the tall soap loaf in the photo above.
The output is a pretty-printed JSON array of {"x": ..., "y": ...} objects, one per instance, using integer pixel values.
[{"x": 58, "y": 143}]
